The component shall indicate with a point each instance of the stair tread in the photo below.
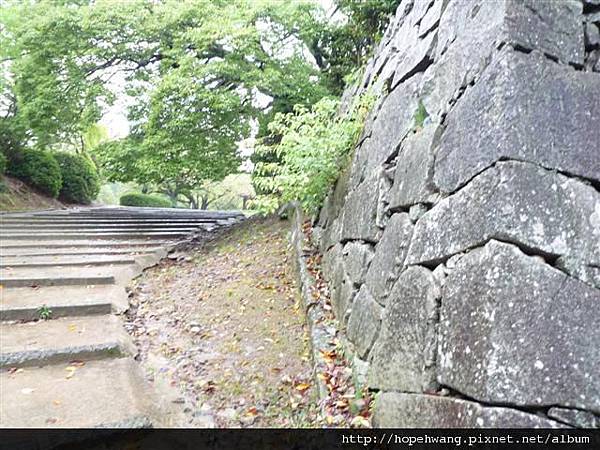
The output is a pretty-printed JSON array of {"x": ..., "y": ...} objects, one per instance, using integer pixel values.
[
  {"x": 100, "y": 393},
  {"x": 65, "y": 339},
  {"x": 62, "y": 296}
]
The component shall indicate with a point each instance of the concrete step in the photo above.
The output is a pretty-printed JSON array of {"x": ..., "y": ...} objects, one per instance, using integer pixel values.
[
  {"x": 128, "y": 215},
  {"x": 63, "y": 301},
  {"x": 62, "y": 340},
  {"x": 113, "y": 235},
  {"x": 79, "y": 227},
  {"x": 73, "y": 251},
  {"x": 69, "y": 260},
  {"x": 63, "y": 276},
  {"x": 107, "y": 393},
  {"x": 6, "y": 246},
  {"x": 74, "y": 220}
]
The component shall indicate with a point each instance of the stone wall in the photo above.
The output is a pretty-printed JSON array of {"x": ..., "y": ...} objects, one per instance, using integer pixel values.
[{"x": 463, "y": 252}]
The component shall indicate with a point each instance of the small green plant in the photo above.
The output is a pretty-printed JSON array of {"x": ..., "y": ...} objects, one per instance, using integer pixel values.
[
  {"x": 420, "y": 116},
  {"x": 314, "y": 145},
  {"x": 44, "y": 313},
  {"x": 81, "y": 182},
  {"x": 37, "y": 168},
  {"x": 135, "y": 199}
]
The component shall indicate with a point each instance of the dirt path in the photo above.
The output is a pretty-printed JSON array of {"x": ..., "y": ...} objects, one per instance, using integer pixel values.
[{"x": 221, "y": 333}]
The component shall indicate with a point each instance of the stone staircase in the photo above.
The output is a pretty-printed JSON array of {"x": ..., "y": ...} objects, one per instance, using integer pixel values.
[{"x": 75, "y": 369}]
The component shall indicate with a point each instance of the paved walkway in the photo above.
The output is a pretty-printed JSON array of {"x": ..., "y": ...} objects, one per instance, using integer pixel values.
[{"x": 75, "y": 369}]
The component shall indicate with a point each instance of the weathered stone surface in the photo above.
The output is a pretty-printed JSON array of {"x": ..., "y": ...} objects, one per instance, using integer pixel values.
[
  {"x": 416, "y": 59},
  {"x": 404, "y": 353},
  {"x": 393, "y": 122},
  {"x": 575, "y": 417},
  {"x": 500, "y": 117},
  {"x": 384, "y": 79},
  {"x": 515, "y": 330},
  {"x": 517, "y": 202},
  {"x": 413, "y": 180},
  {"x": 357, "y": 257},
  {"x": 592, "y": 34},
  {"x": 396, "y": 410},
  {"x": 332, "y": 263},
  {"x": 470, "y": 32},
  {"x": 360, "y": 212},
  {"x": 364, "y": 322},
  {"x": 342, "y": 297},
  {"x": 486, "y": 71},
  {"x": 418, "y": 11},
  {"x": 551, "y": 27},
  {"x": 389, "y": 256},
  {"x": 432, "y": 17},
  {"x": 335, "y": 200},
  {"x": 360, "y": 369},
  {"x": 592, "y": 62},
  {"x": 416, "y": 212}
]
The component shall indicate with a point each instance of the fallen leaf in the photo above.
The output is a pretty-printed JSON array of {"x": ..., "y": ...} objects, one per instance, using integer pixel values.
[
  {"x": 302, "y": 387},
  {"x": 71, "y": 370},
  {"x": 56, "y": 402},
  {"x": 253, "y": 412}
]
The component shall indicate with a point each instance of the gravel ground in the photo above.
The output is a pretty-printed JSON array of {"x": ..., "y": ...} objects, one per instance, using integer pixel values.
[{"x": 221, "y": 334}]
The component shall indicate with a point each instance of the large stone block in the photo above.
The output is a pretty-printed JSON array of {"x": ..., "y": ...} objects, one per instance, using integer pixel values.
[
  {"x": 332, "y": 263},
  {"x": 431, "y": 19},
  {"x": 501, "y": 117},
  {"x": 575, "y": 417},
  {"x": 518, "y": 202},
  {"x": 413, "y": 179},
  {"x": 393, "y": 122},
  {"x": 553, "y": 28},
  {"x": 470, "y": 32},
  {"x": 360, "y": 212},
  {"x": 396, "y": 410},
  {"x": 416, "y": 58},
  {"x": 357, "y": 257},
  {"x": 364, "y": 322},
  {"x": 516, "y": 330},
  {"x": 403, "y": 356},
  {"x": 389, "y": 256},
  {"x": 342, "y": 297}
]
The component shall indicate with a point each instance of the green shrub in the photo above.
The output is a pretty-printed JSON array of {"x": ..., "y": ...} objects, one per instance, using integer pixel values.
[
  {"x": 37, "y": 168},
  {"x": 3, "y": 163},
  {"x": 314, "y": 145},
  {"x": 81, "y": 182},
  {"x": 144, "y": 200}
]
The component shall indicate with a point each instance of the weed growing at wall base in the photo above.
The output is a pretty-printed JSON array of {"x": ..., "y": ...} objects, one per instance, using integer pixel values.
[{"x": 313, "y": 145}]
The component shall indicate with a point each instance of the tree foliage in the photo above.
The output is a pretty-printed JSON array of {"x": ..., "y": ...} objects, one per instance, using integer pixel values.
[
  {"x": 194, "y": 68},
  {"x": 315, "y": 144}
]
